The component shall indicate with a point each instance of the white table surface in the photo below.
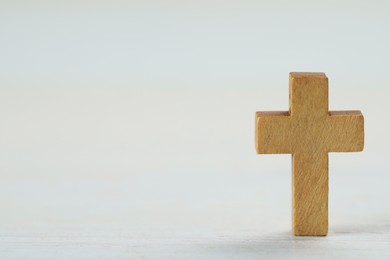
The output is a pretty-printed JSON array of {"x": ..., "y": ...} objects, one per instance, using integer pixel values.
[{"x": 187, "y": 217}]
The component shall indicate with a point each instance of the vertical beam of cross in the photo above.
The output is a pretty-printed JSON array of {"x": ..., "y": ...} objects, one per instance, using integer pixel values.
[{"x": 309, "y": 132}]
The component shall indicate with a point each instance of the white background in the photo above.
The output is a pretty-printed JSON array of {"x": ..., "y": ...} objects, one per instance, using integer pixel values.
[{"x": 127, "y": 128}]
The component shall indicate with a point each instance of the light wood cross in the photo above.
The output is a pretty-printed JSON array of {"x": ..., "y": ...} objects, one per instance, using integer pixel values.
[{"x": 309, "y": 132}]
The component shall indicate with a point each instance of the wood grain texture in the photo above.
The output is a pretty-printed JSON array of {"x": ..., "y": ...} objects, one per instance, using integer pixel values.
[{"x": 309, "y": 132}]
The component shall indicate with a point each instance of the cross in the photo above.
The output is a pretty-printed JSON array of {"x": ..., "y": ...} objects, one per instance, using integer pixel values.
[{"x": 309, "y": 132}]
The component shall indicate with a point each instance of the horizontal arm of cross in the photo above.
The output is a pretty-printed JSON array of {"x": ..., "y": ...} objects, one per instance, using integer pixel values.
[
  {"x": 278, "y": 132},
  {"x": 346, "y": 131},
  {"x": 272, "y": 132}
]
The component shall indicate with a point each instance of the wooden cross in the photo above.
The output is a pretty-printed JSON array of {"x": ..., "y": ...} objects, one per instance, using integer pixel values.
[{"x": 309, "y": 132}]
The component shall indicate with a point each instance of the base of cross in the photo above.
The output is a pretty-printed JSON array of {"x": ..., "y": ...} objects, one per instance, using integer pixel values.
[
  {"x": 309, "y": 132},
  {"x": 310, "y": 194}
]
